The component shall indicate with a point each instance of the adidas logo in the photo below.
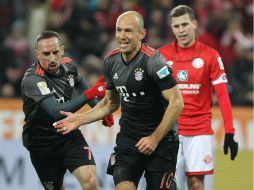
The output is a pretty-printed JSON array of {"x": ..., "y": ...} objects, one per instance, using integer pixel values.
[{"x": 115, "y": 76}]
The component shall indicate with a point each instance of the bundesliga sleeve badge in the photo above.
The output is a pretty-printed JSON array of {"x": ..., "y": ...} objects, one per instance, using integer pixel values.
[
  {"x": 43, "y": 87},
  {"x": 163, "y": 72}
]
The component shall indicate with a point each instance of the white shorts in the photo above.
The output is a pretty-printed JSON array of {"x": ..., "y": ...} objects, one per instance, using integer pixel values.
[{"x": 195, "y": 153}]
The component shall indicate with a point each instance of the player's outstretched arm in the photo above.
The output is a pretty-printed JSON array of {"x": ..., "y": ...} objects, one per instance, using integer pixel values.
[
  {"x": 106, "y": 106},
  {"x": 53, "y": 107},
  {"x": 68, "y": 124},
  {"x": 108, "y": 121}
]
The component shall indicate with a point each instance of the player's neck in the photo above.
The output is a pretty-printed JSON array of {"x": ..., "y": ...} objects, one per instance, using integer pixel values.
[
  {"x": 184, "y": 48},
  {"x": 129, "y": 56},
  {"x": 187, "y": 46}
]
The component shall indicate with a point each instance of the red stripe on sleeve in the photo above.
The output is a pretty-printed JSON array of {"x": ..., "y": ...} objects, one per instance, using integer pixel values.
[{"x": 148, "y": 51}]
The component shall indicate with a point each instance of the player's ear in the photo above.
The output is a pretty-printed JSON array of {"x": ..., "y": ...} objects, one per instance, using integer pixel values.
[
  {"x": 62, "y": 50},
  {"x": 142, "y": 34},
  {"x": 36, "y": 52},
  {"x": 195, "y": 24}
]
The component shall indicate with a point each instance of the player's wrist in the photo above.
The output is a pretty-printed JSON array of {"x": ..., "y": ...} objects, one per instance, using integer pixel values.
[
  {"x": 78, "y": 121},
  {"x": 156, "y": 136}
]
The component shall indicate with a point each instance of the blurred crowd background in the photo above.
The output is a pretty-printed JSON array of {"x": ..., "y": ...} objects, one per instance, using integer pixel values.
[{"x": 87, "y": 29}]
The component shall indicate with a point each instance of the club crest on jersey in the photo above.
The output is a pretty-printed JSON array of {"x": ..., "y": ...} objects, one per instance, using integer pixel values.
[
  {"x": 182, "y": 75},
  {"x": 197, "y": 63},
  {"x": 163, "y": 72},
  {"x": 71, "y": 80},
  {"x": 43, "y": 87},
  {"x": 139, "y": 74}
]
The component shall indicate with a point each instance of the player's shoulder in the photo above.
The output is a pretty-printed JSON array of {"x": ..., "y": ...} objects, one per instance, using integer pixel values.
[
  {"x": 111, "y": 57},
  {"x": 68, "y": 64},
  {"x": 148, "y": 50},
  {"x": 167, "y": 49},
  {"x": 33, "y": 74},
  {"x": 167, "y": 46},
  {"x": 202, "y": 48},
  {"x": 34, "y": 70},
  {"x": 66, "y": 60},
  {"x": 112, "y": 53}
]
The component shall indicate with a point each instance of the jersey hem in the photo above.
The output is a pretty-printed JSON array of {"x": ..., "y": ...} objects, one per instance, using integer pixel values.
[
  {"x": 195, "y": 133},
  {"x": 199, "y": 173}
]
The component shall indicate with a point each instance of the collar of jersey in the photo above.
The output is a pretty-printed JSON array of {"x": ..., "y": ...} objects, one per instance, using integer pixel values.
[
  {"x": 193, "y": 52},
  {"x": 129, "y": 62}
]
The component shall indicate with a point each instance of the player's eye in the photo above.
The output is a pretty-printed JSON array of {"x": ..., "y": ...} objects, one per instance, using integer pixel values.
[
  {"x": 55, "y": 52},
  {"x": 128, "y": 30},
  {"x": 46, "y": 53}
]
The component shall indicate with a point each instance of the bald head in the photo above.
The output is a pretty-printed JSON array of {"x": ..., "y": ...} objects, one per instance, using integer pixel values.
[
  {"x": 129, "y": 33},
  {"x": 132, "y": 16}
]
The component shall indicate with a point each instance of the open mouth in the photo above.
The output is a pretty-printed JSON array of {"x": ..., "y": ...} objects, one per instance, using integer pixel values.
[{"x": 53, "y": 68}]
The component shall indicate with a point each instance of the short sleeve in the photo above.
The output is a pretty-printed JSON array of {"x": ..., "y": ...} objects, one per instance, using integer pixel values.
[
  {"x": 36, "y": 88},
  {"x": 160, "y": 72},
  {"x": 106, "y": 70}
]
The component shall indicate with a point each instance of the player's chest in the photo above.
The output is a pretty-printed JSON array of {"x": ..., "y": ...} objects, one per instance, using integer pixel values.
[
  {"x": 132, "y": 77},
  {"x": 195, "y": 70},
  {"x": 65, "y": 81},
  {"x": 63, "y": 85}
]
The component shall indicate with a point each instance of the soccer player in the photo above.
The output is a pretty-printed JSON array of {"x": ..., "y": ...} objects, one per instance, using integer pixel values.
[
  {"x": 47, "y": 88},
  {"x": 137, "y": 76},
  {"x": 196, "y": 69}
]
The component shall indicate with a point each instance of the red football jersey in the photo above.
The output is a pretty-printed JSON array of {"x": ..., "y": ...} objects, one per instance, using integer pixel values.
[{"x": 195, "y": 69}]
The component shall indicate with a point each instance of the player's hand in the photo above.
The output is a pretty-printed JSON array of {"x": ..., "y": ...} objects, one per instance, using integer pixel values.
[
  {"x": 108, "y": 121},
  {"x": 147, "y": 145},
  {"x": 67, "y": 124},
  {"x": 230, "y": 143},
  {"x": 97, "y": 90}
]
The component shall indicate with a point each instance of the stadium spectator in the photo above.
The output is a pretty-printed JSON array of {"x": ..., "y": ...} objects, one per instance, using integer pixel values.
[{"x": 216, "y": 19}]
